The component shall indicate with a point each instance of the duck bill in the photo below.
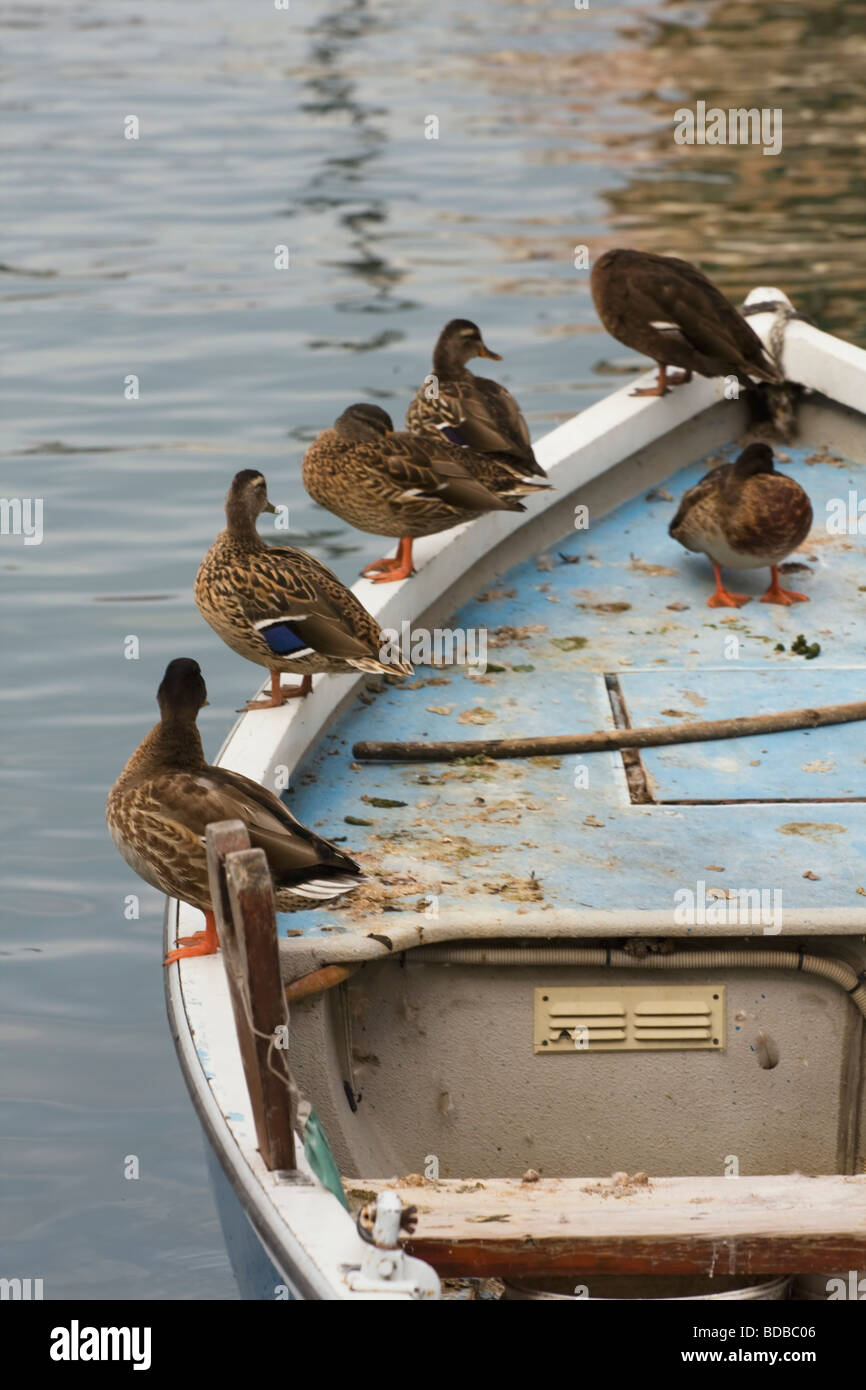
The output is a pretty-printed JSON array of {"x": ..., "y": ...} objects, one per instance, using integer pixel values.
[
  {"x": 269, "y": 507},
  {"x": 485, "y": 352}
]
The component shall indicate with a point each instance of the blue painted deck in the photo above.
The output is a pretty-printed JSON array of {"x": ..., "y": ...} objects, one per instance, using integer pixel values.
[{"x": 633, "y": 604}]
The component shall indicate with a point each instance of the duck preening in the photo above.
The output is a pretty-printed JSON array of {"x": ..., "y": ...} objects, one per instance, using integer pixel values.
[
  {"x": 166, "y": 796},
  {"x": 280, "y": 607},
  {"x": 669, "y": 310},
  {"x": 403, "y": 485},
  {"x": 468, "y": 410},
  {"x": 744, "y": 515}
]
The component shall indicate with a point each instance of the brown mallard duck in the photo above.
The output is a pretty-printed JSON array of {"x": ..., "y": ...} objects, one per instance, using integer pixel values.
[
  {"x": 402, "y": 485},
  {"x": 166, "y": 796},
  {"x": 280, "y": 607},
  {"x": 743, "y": 516},
  {"x": 470, "y": 410},
  {"x": 668, "y": 309}
]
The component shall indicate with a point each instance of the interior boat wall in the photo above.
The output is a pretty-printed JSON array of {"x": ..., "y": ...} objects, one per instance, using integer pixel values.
[{"x": 434, "y": 1056}]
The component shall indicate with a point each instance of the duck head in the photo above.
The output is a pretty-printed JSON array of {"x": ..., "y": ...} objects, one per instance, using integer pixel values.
[
  {"x": 182, "y": 692},
  {"x": 756, "y": 458},
  {"x": 246, "y": 499},
  {"x": 460, "y": 341},
  {"x": 364, "y": 424}
]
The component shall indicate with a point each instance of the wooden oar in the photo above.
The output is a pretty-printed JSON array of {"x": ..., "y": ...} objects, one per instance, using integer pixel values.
[{"x": 698, "y": 731}]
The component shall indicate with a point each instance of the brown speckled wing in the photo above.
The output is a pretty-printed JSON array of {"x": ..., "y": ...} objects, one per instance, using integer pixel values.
[
  {"x": 281, "y": 582},
  {"x": 436, "y": 468},
  {"x": 503, "y": 408},
  {"x": 179, "y": 807},
  {"x": 490, "y": 418},
  {"x": 484, "y": 413},
  {"x": 774, "y": 516},
  {"x": 426, "y": 416},
  {"x": 708, "y": 487}
]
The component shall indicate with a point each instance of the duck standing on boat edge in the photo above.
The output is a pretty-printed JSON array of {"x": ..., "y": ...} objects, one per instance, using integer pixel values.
[
  {"x": 472, "y": 411},
  {"x": 167, "y": 795},
  {"x": 399, "y": 484},
  {"x": 669, "y": 310},
  {"x": 279, "y": 606},
  {"x": 744, "y": 515}
]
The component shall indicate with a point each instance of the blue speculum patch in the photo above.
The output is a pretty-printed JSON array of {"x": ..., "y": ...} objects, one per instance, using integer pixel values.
[
  {"x": 452, "y": 434},
  {"x": 622, "y": 604},
  {"x": 282, "y": 639}
]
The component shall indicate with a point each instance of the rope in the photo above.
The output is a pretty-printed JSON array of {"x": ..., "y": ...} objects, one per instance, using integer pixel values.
[
  {"x": 284, "y": 1076},
  {"x": 783, "y": 314}
]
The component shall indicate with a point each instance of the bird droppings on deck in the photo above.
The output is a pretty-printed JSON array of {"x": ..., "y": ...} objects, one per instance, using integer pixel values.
[
  {"x": 506, "y": 635},
  {"x": 814, "y": 830},
  {"x": 478, "y": 715},
  {"x": 607, "y": 607},
  {"x": 828, "y": 456},
  {"x": 620, "y": 1185},
  {"x": 644, "y": 567},
  {"x": 491, "y": 595}
]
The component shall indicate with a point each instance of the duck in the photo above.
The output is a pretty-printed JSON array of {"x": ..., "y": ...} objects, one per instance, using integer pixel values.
[
  {"x": 167, "y": 794},
  {"x": 669, "y": 310},
  {"x": 279, "y": 606},
  {"x": 398, "y": 484},
  {"x": 468, "y": 410},
  {"x": 744, "y": 515}
]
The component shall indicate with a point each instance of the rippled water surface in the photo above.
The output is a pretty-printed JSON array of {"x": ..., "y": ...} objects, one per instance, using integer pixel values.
[{"x": 155, "y": 258}]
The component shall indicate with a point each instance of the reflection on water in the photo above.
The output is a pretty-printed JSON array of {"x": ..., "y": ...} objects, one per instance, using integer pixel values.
[
  {"x": 302, "y": 128},
  {"x": 797, "y": 220}
]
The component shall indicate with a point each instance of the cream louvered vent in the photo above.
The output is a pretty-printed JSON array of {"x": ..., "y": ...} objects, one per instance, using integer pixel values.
[{"x": 629, "y": 1018}]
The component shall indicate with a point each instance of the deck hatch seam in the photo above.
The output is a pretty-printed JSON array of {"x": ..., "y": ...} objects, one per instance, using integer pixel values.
[{"x": 635, "y": 773}]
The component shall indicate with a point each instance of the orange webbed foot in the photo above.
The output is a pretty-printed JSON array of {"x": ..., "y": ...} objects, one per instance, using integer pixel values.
[
  {"x": 393, "y": 575},
  {"x": 784, "y": 596},
  {"x": 280, "y": 694},
  {"x": 662, "y": 384},
  {"x": 378, "y": 566},
  {"x": 776, "y": 594},
  {"x": 201, "y": 948},
  {"x": 287, "y": 692},
  {"x": 723, "y": 598},
  {"x": 389, "y": 571},
  {"x": 201, "y": 943}
]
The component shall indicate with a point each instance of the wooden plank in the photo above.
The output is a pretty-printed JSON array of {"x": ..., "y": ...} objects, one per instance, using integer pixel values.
[
  {"x": 746, "y": 1225},
  {"x": 243, "y": 898}
]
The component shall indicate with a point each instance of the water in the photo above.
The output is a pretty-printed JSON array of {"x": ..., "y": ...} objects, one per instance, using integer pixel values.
[{"x": 155, "y": 258}]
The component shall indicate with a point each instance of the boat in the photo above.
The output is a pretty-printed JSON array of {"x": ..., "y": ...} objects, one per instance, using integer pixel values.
[{"x": 597, "y": 1015}]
